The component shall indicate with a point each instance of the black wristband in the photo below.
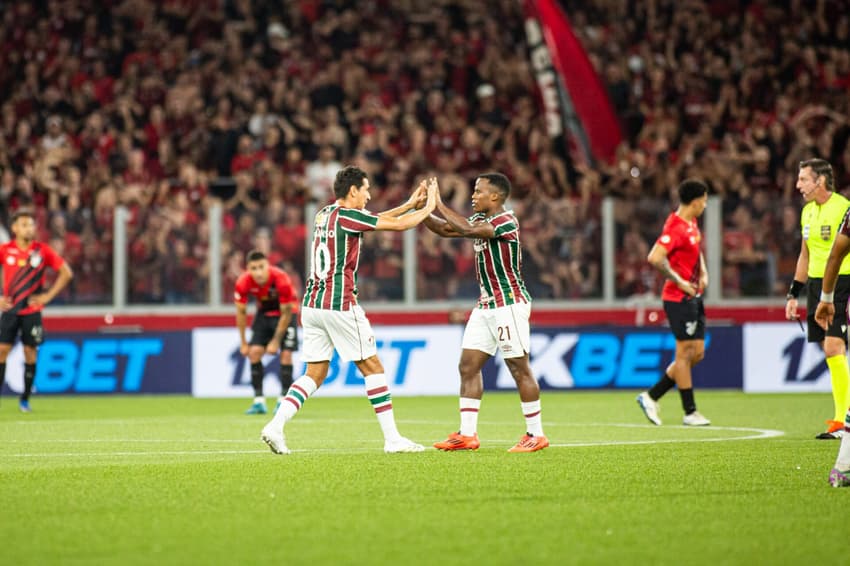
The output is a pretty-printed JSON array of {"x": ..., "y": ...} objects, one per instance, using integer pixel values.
[{"x": 794, "y": 291}]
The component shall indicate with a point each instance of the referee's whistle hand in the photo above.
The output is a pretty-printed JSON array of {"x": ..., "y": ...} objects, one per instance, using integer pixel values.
[
  {"x": 824, "y": 314},
  {"x": 791, "y": 310}
]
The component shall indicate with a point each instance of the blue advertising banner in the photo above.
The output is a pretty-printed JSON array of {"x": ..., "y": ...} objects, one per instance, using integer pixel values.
[
  {"x": 628, "y": 358},
  {"x": 107, "y": 364}
]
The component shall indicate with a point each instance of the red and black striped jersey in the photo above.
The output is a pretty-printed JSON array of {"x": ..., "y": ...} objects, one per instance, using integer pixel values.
[{"x": 24, "y": 272}]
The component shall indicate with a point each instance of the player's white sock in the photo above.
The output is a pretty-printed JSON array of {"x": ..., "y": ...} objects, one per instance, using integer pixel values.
[
  {"x": 843, "y": 460},
  {"x": 533, "y": 422},
  {"x": 259, "y": 399},
  {"x": 381, "y": 400},
  {"x": 294, "y": 400},
  {"x": 469, "y": 415}
]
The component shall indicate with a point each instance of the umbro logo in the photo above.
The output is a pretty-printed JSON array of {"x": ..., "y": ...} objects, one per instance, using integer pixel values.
[{"x": 690, "y": 328}]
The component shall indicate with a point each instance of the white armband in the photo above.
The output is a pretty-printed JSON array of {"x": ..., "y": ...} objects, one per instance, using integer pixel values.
[{"x": 826, "y": 297}]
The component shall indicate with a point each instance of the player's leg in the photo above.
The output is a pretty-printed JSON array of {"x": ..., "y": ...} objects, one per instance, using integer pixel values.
[
  {"x": 839, "y": 476},
  {"x": 255, "y": 358},
  {"x": 529, "y": 393},
  {"x": 318, "y": 351},
  {"x": 8, "y": 335},
  {"x": 477, "y": 346},
  {"x": 288, "y": 344},
  {"x": 688, "y": 354},
  {"x": 378, "y": 393},
  {"x": 32, "y": 336},
  {"x": 835, "y": 351},
  {"x": 836, "y": 360},
  {"x": 262, "y": 331},
  {"x": 648, "y": 400},
  {"x": 4, "y": 353}
]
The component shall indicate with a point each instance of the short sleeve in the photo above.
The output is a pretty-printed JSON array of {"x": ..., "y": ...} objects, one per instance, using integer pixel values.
[
  {"x": 668, "y": 238},
  {"x": 357, "y": 221},
  {"x": 844, "y": 227},
  {"x": 52, "y": 259},
  {"x": 284, "y": 288},
  {"x": 240, "y": 290},
  {"x": 506, "y": 228}
]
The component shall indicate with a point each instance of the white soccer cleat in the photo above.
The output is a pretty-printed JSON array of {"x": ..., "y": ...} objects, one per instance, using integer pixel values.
[
  {"x": 402, "y": 445},
  {"x": 695, "y": 419},
  {"x": 650, "y": 408},
  {"x": 275, "y": 439}
]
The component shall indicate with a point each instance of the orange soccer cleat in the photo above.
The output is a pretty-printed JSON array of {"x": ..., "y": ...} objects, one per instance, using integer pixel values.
[
  {"x": 530, "y": 443},
  {"x": 456, "y": 441}
]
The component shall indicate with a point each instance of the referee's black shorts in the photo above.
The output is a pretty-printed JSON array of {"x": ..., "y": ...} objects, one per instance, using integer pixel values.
[
  {"x": 686, "y": 318},
  {"x": 838, "y": 328}
]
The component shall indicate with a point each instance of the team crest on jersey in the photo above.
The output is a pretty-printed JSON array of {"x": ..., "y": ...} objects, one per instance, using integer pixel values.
[
  {"x": 665, "y": 239},
  {"x": 825, "y": 232},
  {"x": 10, "y": 260},
  {"x": 35, "y": 259}
]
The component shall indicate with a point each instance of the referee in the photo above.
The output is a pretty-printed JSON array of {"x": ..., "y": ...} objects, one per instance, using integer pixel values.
[{"x": 821, "y": 217}]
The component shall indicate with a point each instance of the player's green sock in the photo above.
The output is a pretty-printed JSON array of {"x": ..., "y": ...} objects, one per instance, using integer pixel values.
[
  {"x": 295, "y": 398},
  {"x": 382, "y": 402},
  {"x": 840, "y": 376}
]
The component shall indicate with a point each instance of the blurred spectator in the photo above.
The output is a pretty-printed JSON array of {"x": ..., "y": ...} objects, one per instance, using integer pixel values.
[{"x": 142, "y": 104}]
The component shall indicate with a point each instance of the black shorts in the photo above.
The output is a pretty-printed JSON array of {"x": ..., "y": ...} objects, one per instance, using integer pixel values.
[
  {"x": 838, "y": 328},
  {"x": 262, "y": 331},
  {"x": 686, "y": 318},
  {"x": 28, "y": 325}
]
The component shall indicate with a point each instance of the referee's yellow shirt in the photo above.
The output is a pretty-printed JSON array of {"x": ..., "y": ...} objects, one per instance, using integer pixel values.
[{"x": 820, "y": 223}]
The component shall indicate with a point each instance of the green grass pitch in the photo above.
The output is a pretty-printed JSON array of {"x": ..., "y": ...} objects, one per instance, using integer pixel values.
[{"x": 175, "y": 480}]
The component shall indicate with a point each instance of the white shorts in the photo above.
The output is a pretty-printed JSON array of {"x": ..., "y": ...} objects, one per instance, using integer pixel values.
[
  {"x": 349, "y": 332},
  {"x": 504, "y": 329}
]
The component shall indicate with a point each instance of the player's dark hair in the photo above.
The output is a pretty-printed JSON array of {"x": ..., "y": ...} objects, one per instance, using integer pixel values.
[
  {"x": 254, "y": 255},
  {"x": 345, "y": 178},
  {"x": 821, "y": 167},
  {"x": 502, "y": 184},
  {"x": 22, "y": 213},
  {"x": 690, "y": 190}
]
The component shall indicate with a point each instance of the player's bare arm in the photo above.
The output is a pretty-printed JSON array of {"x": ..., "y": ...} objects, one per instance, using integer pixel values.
[
  {"x": 658, "y": 259},
  {"x": 464, "y": 227},
  {"x": 241, "y": 324},
  {"x": 825, "y": 311},
  {"x": 63, "y": 278},
  {"x": 417, "y": 200},
  {"x": 441, "y": 227},
  {"x": 800, "y": 276},
  {"x": 282, "y": 323},
  {"x": 407, "y": 221},
  {"x": 703, "y": 278}
]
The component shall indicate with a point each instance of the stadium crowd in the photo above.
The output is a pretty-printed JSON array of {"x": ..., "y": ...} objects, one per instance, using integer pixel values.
[{"x": 165, "y": 106}]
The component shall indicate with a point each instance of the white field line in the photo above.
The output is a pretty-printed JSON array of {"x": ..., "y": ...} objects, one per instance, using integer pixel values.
[{"x": 755, "y": 434}]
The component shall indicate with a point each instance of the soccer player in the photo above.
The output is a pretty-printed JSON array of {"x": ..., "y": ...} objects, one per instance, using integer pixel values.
[
  {"x": 274, "y": 325},
  {"x": 825, "y": 316},
  {"x": 820, "y": 220},
  {"x": 25, "y": 263},
  {"x": 500, "y": 323},
  {"x": 331, "y": 318},
  {"x": 678, "y": 256}
]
